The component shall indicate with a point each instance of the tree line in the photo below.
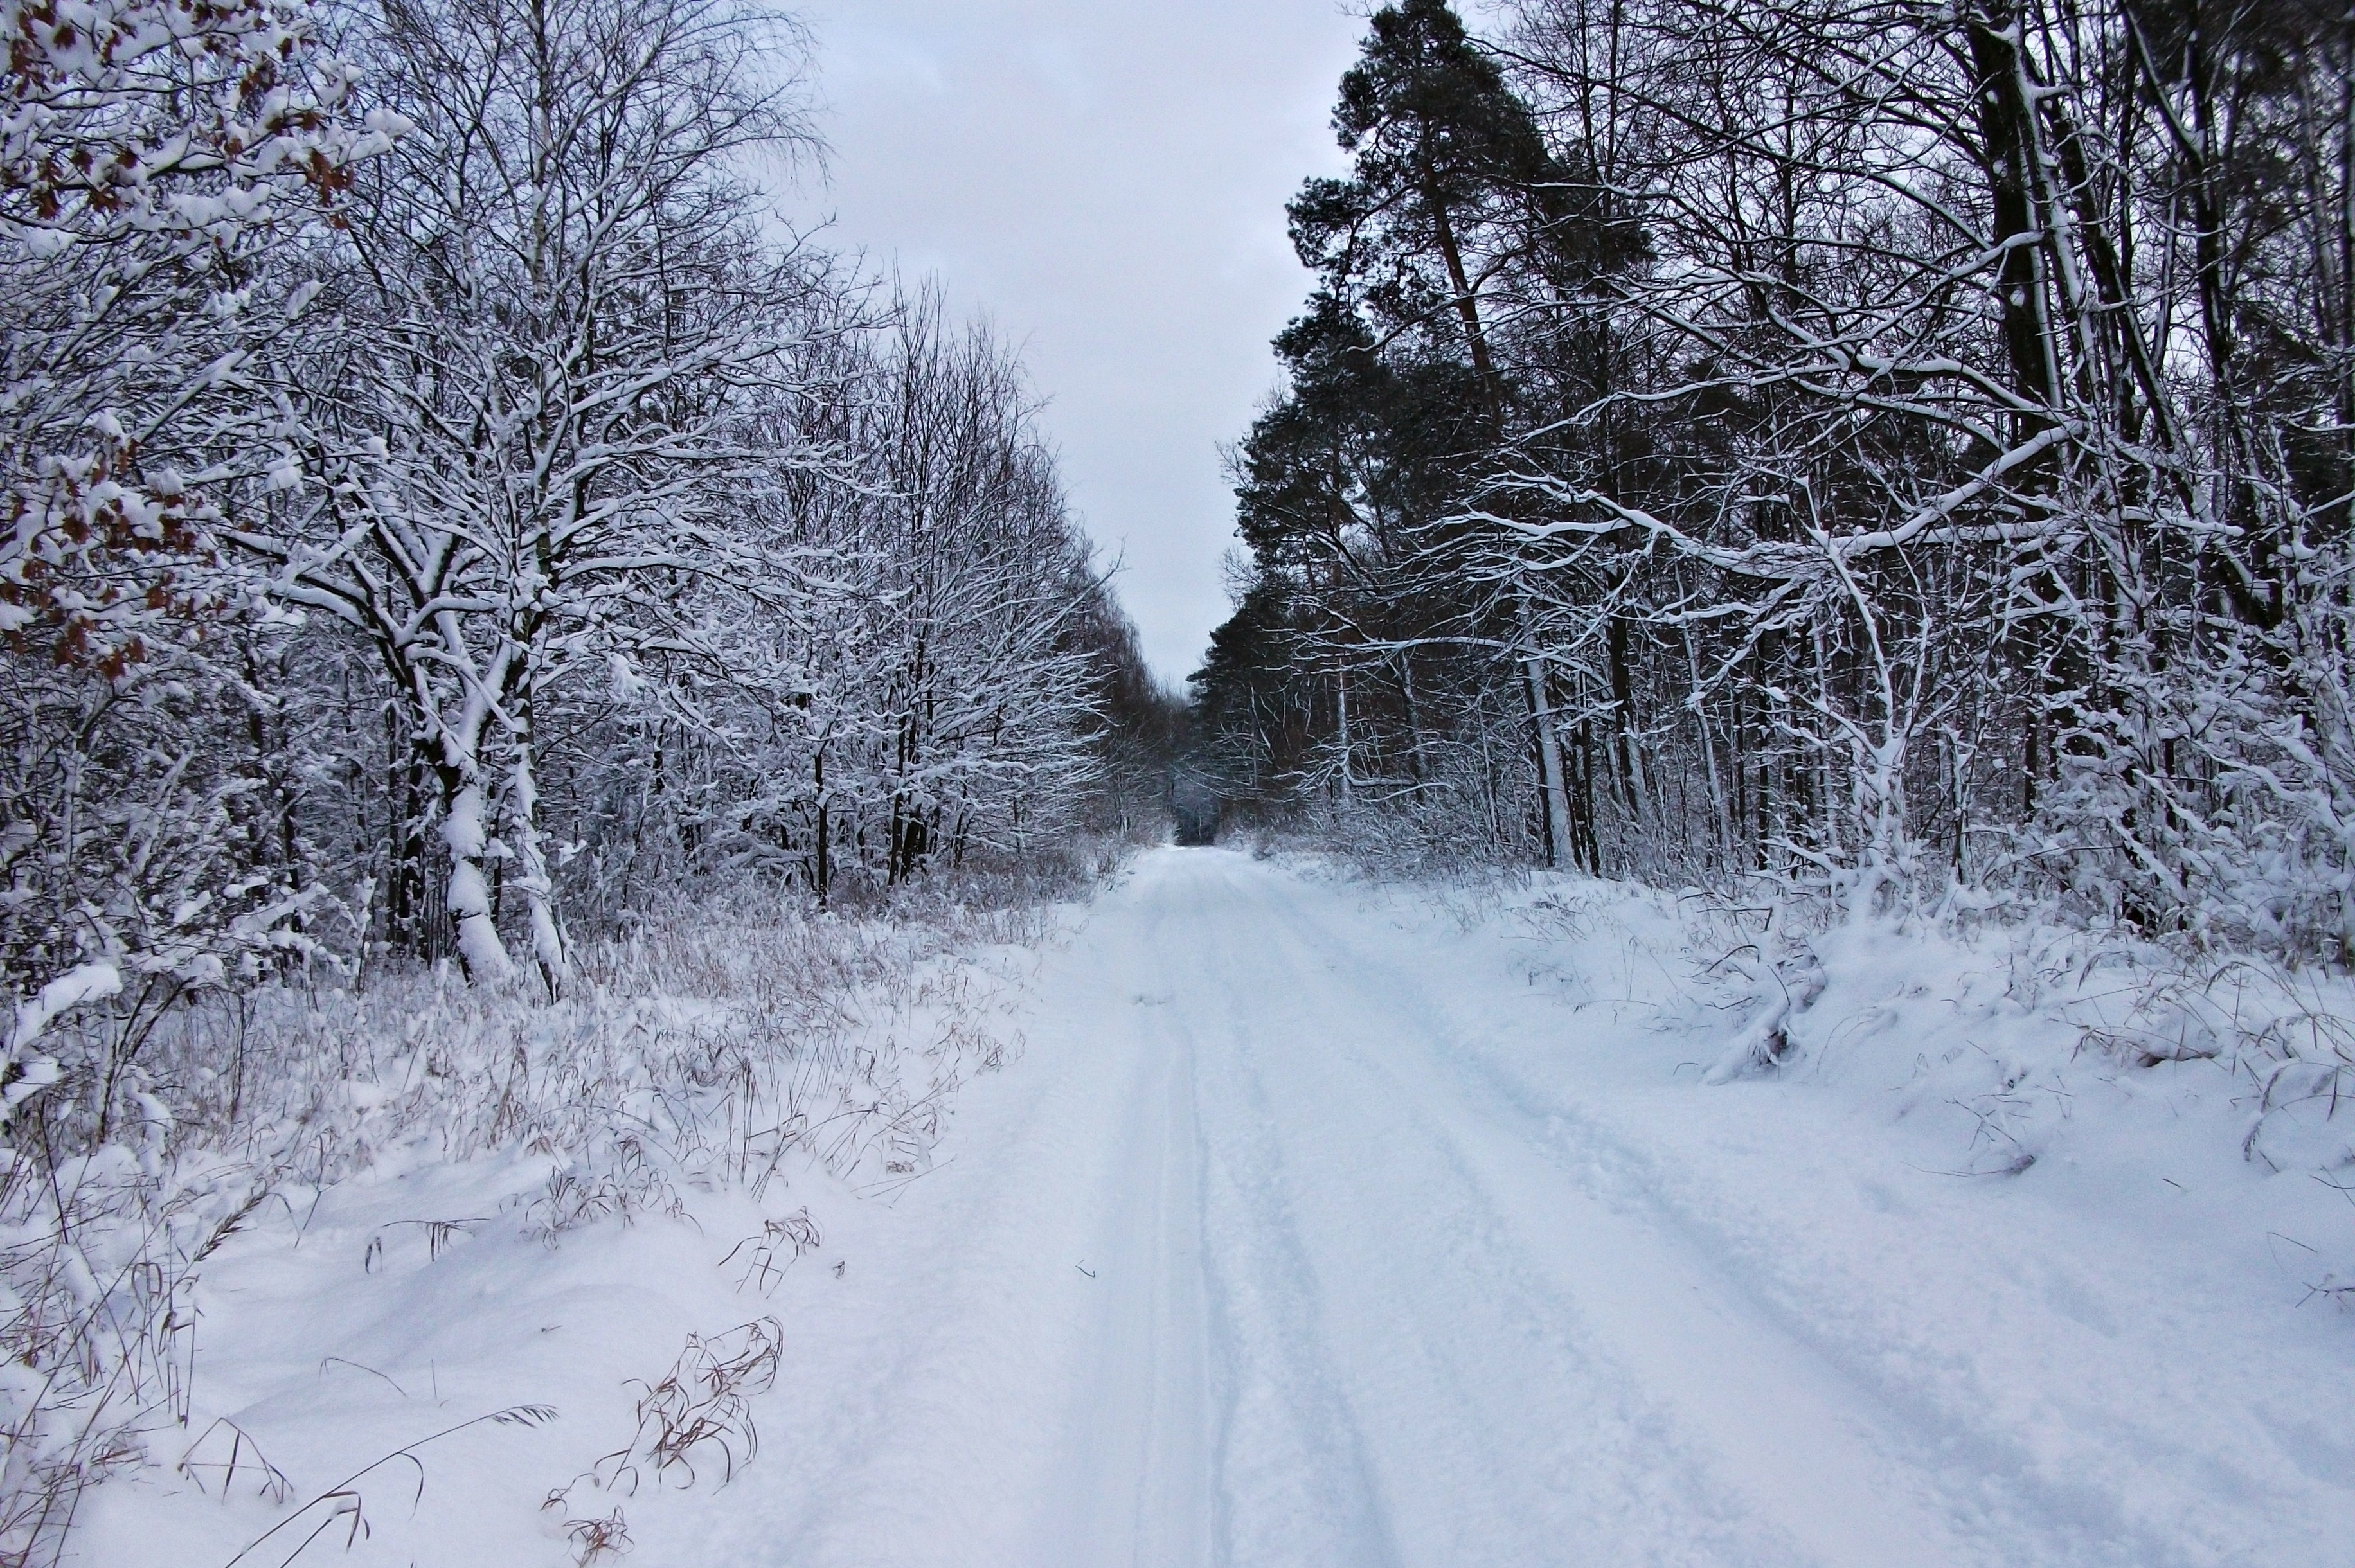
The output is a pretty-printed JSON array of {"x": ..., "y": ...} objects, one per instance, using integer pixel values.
[
  {"x": 1893, "y": 448},
  {"x": 449, "y": 511}
]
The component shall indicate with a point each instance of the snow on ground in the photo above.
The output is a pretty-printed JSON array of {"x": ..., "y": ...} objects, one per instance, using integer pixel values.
[
  {"x": 1327, "y": 1225},
  {"x": 528, "y": 1307}
]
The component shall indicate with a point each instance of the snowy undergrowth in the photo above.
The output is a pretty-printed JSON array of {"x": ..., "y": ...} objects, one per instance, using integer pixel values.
[
  {"x": 2074, "y": 1208},
  {"x": 345, "y": 1221},
  {"x": 1987, "y": 1052}
]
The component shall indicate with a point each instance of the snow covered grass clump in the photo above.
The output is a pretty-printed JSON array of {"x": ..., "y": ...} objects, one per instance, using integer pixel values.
[
  {"x": 404, "y": 1172},
  {"x": 1989, "y": 1051}
]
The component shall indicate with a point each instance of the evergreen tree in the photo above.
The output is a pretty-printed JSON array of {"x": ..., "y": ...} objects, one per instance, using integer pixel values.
[{"x": 1403, "y": 398}]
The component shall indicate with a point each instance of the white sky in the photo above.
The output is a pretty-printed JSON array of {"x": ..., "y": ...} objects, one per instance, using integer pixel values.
[{"x": 1106, "y": 180}]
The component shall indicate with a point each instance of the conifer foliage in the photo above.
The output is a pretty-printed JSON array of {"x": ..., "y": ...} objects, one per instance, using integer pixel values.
[{"x": 1879, "y": 447}]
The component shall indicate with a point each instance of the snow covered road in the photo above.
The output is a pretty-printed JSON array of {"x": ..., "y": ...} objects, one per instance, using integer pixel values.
[{"x": 1260, "y": 1257}]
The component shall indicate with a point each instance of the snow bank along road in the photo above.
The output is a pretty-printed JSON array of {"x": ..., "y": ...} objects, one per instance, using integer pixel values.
[{"x": 1312, "y": 1231}]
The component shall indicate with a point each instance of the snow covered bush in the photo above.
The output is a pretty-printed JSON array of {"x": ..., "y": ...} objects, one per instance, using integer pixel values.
[
  {"x": 719, "y": 1047},
  {"x": 155, "y": 160}
]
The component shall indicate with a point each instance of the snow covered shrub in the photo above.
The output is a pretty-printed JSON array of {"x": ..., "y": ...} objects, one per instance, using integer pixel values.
[
  {"x": 717, "y": 1048},
  {"x": 704, "y": 1048},
  {"x": 2288, "y": 1032},
  {"x": 124, "y": 838},
  {"x": 1460, "y": 817},
  {"x": 153, "y": 156},
  {"x": 97, "y": 1254},
  {"x": 2209, "y": 802}
]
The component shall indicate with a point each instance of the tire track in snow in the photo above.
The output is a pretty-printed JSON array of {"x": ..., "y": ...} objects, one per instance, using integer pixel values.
[
  {"x": 1848, "y": 1462},
  {"x": 1355, "y": 1305},
  {"x": 1494, "y": 1433},
  {"x": 1140, "y": 1489},
  {"x": 1296, "y": 1479}
]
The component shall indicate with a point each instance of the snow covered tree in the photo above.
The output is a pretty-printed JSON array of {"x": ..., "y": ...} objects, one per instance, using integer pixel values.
[
  {"x": 553, "y": 314},
  {"x": 927, "y": 691},
  {"x": 156, "y": 156},
  {"x": 1914, "y": 441},
  {"x": 1408, "y": 392}
]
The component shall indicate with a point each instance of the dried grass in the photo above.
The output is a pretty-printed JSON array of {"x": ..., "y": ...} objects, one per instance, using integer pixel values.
[{"x": 710, "y": 1048}]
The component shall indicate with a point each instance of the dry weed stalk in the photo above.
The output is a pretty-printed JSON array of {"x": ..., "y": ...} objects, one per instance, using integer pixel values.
[
  {"x": 225, "y": 1451},
  {"x": 798, "y": 1231},
  {"x": 702, "y": 1402},
  {"x": 344, "y": 1503},
  {"x": 594, "y": 1540}
]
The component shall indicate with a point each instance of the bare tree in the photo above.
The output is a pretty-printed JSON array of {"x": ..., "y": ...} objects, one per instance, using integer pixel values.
[{"x": 554, "y": 308}]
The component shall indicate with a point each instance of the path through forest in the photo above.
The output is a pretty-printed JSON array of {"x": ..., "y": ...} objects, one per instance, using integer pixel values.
[{"x": 1267, "y": 1253}]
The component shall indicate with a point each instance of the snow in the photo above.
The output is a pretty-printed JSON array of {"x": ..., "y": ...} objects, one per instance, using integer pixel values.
[
  {"x": 1320, "y": 1223},
  {"x": 84, "y": 983},
  {"x": 25, "y": 1073}
]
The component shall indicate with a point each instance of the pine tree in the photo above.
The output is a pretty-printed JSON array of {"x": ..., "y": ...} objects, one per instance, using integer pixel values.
[{"x": 1401, "y": 399}]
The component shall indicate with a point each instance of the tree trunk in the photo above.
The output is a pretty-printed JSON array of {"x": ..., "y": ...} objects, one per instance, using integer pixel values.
[{"x": 1549, "y": 772}]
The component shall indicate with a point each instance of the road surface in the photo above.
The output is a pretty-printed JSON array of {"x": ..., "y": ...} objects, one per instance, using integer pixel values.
[{"x": 1257, "y": 1258}]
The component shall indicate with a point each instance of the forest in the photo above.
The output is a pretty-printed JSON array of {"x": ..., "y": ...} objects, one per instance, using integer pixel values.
[
  {"x": 554, "y": 718},
  {"x": 447, "y": 512},
  {"x": 454, "y": 521},
  {"x": 1890, "y": 450}
]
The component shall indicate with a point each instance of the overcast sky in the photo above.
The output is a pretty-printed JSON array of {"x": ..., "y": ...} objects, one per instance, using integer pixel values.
[{"x": 1105, "y": 179}]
